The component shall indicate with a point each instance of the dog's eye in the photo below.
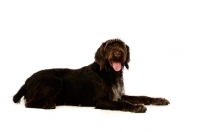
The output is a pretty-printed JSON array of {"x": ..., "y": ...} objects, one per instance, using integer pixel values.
[{"x": 109, "y": 46}]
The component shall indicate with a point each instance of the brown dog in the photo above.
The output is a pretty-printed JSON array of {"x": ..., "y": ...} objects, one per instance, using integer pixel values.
[{"x": 99, "y": 84}]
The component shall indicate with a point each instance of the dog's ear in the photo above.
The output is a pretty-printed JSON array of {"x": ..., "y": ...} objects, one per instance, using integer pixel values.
[
  {"x": 99, "y": 56},
  {"x": 127, "y": 57}
]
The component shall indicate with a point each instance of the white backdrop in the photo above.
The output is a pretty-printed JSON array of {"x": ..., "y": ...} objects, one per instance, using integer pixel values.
[{"x": 164, "y": 38}]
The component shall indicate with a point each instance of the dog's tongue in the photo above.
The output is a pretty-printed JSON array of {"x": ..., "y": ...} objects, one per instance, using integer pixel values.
[{"x": 116, "y": 66}]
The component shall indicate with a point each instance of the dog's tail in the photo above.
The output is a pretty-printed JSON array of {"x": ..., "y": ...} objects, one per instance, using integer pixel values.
[{"x": 19, "y": 94}]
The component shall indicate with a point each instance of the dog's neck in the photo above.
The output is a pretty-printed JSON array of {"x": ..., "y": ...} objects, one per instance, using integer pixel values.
[
  {"x": 118, "y": 89},
  {"x": 113, "y": 79}
]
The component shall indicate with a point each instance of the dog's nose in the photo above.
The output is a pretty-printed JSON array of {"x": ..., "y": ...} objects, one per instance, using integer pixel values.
[{"x": 117, "y": 54}]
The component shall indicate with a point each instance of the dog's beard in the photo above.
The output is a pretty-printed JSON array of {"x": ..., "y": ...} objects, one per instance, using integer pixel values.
[{"x": 117, "y": 66}]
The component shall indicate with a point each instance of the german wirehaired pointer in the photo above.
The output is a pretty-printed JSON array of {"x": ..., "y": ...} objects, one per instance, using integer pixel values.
[{"x": 98, "y": 85}]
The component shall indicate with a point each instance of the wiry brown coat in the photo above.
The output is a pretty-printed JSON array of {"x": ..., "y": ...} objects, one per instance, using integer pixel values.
[{"x": 99, "y": 84}]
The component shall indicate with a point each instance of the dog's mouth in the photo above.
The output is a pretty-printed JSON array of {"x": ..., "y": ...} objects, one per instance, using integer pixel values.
[{"x": 117, "y": 66}]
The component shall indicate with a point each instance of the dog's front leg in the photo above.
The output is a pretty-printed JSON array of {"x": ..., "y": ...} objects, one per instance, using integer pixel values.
[
  {"x": 145, "y": 100},
  {"x": 124, "y": 106}
]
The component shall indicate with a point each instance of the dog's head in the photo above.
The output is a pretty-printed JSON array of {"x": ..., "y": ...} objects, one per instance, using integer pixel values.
[{"x": 113, "y": 53}]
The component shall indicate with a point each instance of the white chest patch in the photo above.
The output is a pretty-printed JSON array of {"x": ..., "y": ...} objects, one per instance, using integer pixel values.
[{"x": 118, "y": 90}]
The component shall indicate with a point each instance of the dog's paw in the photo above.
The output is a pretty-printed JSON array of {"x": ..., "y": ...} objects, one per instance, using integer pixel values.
[
  {"x": 137, "y": 108},
  {"x": 160, "y": 101}
]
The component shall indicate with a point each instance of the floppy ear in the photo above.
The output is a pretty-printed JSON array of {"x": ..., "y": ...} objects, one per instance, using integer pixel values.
[
  {"x": 127, "y": 57},
  {"x": 99, "y": 56}
]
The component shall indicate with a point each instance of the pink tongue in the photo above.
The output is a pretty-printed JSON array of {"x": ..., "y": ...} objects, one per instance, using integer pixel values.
[{"x": 116, "y": 66}]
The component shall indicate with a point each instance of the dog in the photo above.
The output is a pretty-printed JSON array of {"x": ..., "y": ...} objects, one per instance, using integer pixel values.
[{"x": 98, "y": 85}]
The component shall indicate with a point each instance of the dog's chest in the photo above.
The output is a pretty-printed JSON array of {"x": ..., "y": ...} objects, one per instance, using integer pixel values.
[{"x": 118, "y": 90}]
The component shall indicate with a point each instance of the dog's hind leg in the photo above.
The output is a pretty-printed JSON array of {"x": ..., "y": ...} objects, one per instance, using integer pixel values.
[{"x": 44, "y": 93}]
